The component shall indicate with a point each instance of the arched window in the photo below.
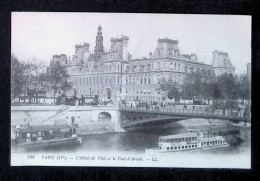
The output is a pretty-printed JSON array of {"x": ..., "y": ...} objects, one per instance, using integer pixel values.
[{"x": 127, "y": 69}]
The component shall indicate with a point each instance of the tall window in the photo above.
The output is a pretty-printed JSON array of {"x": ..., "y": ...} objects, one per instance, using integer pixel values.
[
  {"x": 101, "y": 80},
  {"x": 127, "y": 69},
  {"x": 90, "y": 80},
  {"x": 158, "y": 79},
  {"x": 159, "y": 65},
  {"x": 149, "y": 67},
  {"x": 141, "y": 68},
  {"x": 118, "y": 80}
]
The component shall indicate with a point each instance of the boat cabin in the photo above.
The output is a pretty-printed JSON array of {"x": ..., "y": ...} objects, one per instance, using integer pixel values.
[
  {"x": 44, "y": 132},
  {"x": 178, "y": 138}
]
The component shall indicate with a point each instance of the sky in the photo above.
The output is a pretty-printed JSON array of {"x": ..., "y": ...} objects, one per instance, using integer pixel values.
[{"x": 42, "y": 34}]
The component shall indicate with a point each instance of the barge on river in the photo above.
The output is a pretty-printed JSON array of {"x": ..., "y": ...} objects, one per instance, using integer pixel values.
[
  {"x": 38, "y": 137},
  {"x": 189, "y": 141}
]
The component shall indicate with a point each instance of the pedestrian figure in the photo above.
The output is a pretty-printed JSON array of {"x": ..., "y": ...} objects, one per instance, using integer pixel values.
[
  {"x": 224, "y": 111},
  {"x": 131, "y": 105},
  {"x": 193, "y": 107},
  {"x": 231, "y": 112}
]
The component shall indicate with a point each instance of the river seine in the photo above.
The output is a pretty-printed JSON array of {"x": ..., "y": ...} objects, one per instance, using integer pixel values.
[{"x": 137, "y": 141}]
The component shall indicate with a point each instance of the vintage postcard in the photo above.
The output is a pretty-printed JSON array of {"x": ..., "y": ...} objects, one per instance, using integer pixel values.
[{"x": 131, "y": 90}]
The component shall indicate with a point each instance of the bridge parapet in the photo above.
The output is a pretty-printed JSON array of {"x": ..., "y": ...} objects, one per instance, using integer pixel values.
[{"x": 190, "y": 113}]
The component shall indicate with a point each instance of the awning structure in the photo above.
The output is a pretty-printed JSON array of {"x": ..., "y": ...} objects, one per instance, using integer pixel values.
[{"x": 39, "y": 128}]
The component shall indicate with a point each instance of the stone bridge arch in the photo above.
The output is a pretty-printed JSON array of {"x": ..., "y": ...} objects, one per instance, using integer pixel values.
[{"x": 104, "y": 116}]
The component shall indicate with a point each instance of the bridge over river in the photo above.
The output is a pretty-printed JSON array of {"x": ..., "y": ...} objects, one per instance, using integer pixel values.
[
  {"x": 119, "y": 116},
  {"x": 133, "y": 116}
]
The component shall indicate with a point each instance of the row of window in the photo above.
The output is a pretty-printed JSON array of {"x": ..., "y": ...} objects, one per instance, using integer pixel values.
[
  {"x": 28, "y": 135},
  {"x": 138, "y": 97},
  {"x": 181, "y": 147},
  {"x": 170, "y": 52},
  {"x": 164, "y": 65},
  {"x": 178, "y": 139},
  {"x": 133, "y": 81},
  {"x": 139, "y": 92},
  {"x": 96, "y": 80},
  {"x": 140, "y": 68},
  {"x": 213, "y": 143},
  {"x": 89, "y": 91}
]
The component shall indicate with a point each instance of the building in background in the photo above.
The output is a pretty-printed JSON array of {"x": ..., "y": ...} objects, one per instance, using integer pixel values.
[
  {"x": 114, "y": 75},
  {"x": 248, "y": 71},
  {"x": 221, "y": 63}
]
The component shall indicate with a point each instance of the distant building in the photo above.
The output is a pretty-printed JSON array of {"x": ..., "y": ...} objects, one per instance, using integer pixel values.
[
  {"x": 248, "y": 71},
  {"x": 248, "y": 68},
  {"x": 222, "y": 64},
  {"x": 114, "y": 75}
]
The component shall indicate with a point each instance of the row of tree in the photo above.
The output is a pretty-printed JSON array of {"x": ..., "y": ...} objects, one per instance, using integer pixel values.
[
  {"x": 33, "y": 77},
  {"x": 224, "y": 90}
]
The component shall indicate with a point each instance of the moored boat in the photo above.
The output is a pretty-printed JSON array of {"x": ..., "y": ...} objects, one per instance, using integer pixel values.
[
  {"x": 45, "y": 136},
  {"x": 189, "y": 141}
]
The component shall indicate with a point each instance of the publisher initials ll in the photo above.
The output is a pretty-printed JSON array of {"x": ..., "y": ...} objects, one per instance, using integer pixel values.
[{"x": 30, "y": 157}]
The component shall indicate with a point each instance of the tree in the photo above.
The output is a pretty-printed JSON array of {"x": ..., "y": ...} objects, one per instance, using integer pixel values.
[
  {"x": 34, "y": 70},
  {"x": 173, "y": 92},
  {"x": 58, "y": 78},
  {"x": 187, "y": 91},
  {"x": 228, "y": 86},
  {"x": 245, "y": 88},
  {"x": 17, "y": 77},
  {"x": 195, "y": 85},
  {"x": 169, "y": 87},
  {"x": 227, "y": 90}
]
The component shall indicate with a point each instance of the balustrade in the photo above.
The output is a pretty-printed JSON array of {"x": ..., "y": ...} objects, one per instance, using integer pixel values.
[{"x": 203, "y": 112}]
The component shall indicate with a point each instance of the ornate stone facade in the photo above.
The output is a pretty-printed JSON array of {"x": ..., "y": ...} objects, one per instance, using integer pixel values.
[
  {"x": 221, "y": 63},
  {"x": 115, "y": 75}
]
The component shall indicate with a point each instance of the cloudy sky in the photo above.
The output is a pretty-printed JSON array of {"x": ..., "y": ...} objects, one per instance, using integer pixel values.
[{"x": 45, "y": 34}]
